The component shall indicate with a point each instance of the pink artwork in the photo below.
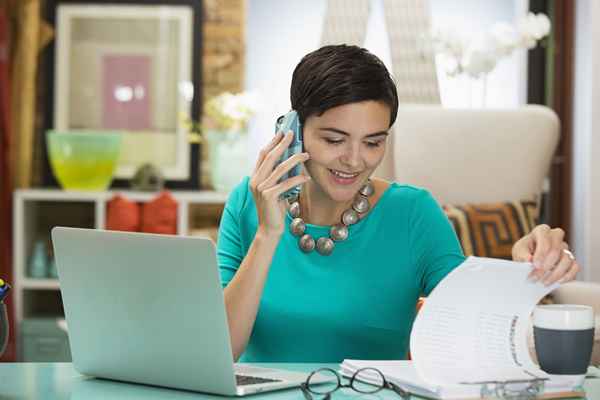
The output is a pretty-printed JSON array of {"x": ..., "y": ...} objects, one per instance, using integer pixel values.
[{"x": 126, "y": 92}]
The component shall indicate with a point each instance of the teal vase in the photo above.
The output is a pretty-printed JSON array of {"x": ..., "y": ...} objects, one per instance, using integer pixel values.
[
  {"x": 228, "y": 158},
  {"x": 38, "y": 263}
]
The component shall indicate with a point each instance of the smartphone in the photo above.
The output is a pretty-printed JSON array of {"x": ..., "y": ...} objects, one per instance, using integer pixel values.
[{"x": 286, "y": 123}]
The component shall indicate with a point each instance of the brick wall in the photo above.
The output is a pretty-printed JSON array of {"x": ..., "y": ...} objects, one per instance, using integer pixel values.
[
  {"x": 224, "y": 46},
  {"x": 223, "y": 57}
]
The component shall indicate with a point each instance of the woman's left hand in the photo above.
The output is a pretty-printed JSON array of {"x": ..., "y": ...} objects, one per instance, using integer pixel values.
[{"x": 549, "y": 253}]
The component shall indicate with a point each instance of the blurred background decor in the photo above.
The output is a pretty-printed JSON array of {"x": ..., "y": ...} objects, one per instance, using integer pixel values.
[
  {"x": 412, "y": 62},
  {"x": 130, "y": 67},
  {"x": 6, "y": 179},
  {"x": 469, "y": 59},
  {"x": 32, "y": 36},
  {"x": 345, "y": 22},
  {"x": 410, "y": 59},
  {"x": 224, "y": 130},
  {"x": 30, "y": 202},
  {"x": 38, "y": 260},
  {"x": 148, "y": 178},
  {"x": 83, "y": 160},
  {"x": 23, "y": 35}
]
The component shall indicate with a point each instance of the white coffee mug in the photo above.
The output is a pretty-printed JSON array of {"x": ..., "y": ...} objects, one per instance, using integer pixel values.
[{"x": 564, "y": 336}]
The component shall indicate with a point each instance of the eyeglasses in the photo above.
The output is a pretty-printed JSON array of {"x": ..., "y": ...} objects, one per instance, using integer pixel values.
[
  {"x": 515, "y": 389},
  {"x": 364, "y": 380}
]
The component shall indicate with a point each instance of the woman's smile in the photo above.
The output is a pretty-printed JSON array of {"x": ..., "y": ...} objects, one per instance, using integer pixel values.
[{"x": 343, "y": 178}]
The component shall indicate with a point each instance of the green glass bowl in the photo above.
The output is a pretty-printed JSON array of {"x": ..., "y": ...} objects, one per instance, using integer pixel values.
[{"x": 83, "y": 160}]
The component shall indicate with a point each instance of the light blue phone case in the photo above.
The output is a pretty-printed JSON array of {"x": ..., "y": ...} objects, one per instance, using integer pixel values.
[{"x": 285, "y": 123}]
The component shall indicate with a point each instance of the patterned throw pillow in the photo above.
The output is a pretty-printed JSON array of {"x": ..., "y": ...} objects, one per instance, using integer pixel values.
[{"x": 491, "y": 229}]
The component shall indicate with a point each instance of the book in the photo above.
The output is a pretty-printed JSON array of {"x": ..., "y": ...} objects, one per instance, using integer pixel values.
[
  {"x": 403, "y": 374},
  {"x": 470, "y": 337}
]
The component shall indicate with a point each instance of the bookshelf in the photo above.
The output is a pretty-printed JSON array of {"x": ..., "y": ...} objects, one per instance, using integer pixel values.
[{"x": 37, "y": 211}]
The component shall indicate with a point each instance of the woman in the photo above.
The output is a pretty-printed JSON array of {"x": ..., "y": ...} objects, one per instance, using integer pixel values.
[{"x": 290, "y": 304}]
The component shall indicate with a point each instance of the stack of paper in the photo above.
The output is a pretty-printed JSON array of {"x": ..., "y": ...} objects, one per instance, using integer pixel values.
[
  {"x": 403, "y": 374},
  {"x": 472, "y": 329}
]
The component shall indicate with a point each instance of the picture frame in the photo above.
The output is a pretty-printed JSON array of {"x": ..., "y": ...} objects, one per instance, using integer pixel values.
[{"x": 133, "y": 67}]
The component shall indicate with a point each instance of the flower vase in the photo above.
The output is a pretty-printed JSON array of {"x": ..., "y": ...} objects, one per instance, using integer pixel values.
[
  {"x": 228, "y": 158},
  {"x": 465, "y": 91},
  {"x": 479, "y": 92},
  {"x": 38, "y": 263}
]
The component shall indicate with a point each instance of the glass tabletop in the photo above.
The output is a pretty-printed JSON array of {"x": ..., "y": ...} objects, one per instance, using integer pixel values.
[{"x": 59, "y": 381}]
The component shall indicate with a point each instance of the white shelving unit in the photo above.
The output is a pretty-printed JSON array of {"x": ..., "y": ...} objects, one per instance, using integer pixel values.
[{"x": 35, "y": 215}]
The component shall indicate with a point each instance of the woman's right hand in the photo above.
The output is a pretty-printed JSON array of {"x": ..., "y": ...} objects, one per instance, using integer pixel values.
[{"x": 270, "y": 207}]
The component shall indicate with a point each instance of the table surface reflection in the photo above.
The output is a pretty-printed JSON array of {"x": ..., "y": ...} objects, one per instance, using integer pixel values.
[{"x": 59, "y": 381}]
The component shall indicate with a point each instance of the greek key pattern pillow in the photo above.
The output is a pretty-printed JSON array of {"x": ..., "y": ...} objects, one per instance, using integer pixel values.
[{"x": 491, "y": 229}]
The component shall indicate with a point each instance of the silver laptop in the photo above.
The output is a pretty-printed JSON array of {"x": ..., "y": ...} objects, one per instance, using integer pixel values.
[{"x": 149, "y": 309}]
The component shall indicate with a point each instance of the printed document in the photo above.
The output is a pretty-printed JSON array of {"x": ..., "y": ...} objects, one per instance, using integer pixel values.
[{"x": 473, "y": 327}]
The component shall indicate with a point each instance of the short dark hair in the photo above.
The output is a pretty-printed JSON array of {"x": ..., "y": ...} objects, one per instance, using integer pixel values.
[{"x": 340, "y": 74}]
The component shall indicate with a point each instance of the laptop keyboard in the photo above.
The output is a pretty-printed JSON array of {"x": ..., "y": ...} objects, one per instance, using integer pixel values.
[{"x": 243, "y": 380}]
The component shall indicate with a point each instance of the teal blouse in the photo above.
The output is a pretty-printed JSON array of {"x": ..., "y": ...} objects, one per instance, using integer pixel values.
[{"x": 359, "y": 302}]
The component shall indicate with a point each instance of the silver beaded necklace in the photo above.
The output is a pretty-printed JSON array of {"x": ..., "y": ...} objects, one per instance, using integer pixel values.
[{"x": 337, "y": 232}]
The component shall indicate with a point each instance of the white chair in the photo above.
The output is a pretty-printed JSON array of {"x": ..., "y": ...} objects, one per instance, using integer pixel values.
[
  {"x": 475, "y": 155},
  {"x": 480, "y": 155}
]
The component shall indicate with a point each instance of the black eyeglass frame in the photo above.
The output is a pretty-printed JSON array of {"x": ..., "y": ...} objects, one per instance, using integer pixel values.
[{"x": 308, "y": 393}]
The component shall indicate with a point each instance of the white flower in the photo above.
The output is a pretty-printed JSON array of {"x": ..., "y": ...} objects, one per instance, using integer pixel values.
[
  {"x": 505, "y": 38},
  {"x": 533, "y": 28},
  {"x": 230, "y": 112},
  {"x": 479, "y": 61},
  {"x": 237, "y": 107},
  {"x": 480, "y": 55},
  {"x": 448, "y": 42},
  {"x": 226, "y": 102}
]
